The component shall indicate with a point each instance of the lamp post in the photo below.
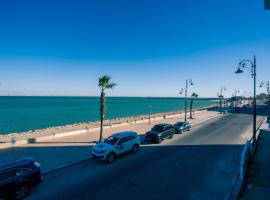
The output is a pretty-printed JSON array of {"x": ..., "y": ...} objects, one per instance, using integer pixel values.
[
  {"x": 249, "y": 64},
  {"x": 149, "y": 114},
  {"x": 220, "y": 95},
  {"x": 188, "y": 82},
  {"x": 266, "y": 83}
]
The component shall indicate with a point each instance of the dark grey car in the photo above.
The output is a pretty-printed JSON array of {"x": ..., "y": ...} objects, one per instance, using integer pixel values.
[
  {"x": 160, "y": 132},
  {"x": 181, "y": 127}
]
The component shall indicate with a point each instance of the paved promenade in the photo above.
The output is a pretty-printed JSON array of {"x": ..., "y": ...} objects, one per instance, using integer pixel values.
[
  {"x": 258, "y": 186},
  {"x": 57, "y": 152}
]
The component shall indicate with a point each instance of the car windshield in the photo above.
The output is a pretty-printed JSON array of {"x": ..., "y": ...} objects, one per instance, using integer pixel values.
[
  {"x": 111, "y": 140},
  {"x": 179, "y": 124},
  {"x": 158, "y": 128}
]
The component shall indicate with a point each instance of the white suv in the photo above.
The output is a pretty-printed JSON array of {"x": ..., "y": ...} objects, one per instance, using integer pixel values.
[{"x": 116, "y": 145}]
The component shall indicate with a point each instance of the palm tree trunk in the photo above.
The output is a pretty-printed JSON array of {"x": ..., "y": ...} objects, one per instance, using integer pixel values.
[
  {"x": 191, "y": 105},
  {"x": 102, "y": 113}
]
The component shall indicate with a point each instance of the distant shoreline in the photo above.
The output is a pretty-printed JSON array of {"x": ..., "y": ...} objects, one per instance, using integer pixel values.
[{"x": 149, "y": 97}]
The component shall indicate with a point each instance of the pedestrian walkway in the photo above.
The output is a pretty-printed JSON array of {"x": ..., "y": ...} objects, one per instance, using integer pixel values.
[
  {"x": 61, "y": 151},
  {"x": 258, "y": 186}
]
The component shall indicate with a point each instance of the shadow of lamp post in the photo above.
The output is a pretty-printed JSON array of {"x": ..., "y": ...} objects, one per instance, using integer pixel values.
[{"x": 249, "y": 64}]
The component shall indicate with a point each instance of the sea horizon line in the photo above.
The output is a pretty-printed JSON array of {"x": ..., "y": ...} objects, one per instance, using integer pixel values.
[{"x": 86, "y": 96}]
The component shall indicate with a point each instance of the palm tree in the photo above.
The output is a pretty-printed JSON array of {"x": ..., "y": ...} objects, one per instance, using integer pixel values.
[
  {"x": 193, "y": 96},
  {"x": 103, "y": 83}
]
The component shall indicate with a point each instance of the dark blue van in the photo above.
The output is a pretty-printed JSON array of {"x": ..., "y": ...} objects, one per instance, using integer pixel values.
[{"x": 17, "y": 177}]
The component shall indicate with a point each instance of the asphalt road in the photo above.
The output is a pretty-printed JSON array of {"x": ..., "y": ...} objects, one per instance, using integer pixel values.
[{"x": 200, "y": 164}]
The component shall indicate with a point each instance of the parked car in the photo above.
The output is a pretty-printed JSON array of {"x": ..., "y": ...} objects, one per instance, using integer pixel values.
[
  {"x": 224, "y": 111},
  {"x": 160, "y": 132},
  {"x": 18, "y": 177},
  {"x": 237, "y": 109},
  {"x": 245, "y": 107},
  {"x": 181, "y": 127},
  {"x": 116, "y": 145}
]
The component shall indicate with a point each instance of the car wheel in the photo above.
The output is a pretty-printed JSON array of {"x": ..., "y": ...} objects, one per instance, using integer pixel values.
[
  {"x": 171, "y": 136},
  {"x": 110, "y": 158},
  {"x": 181, "y": 131},
  {"x": 159, "y": 140},
  {"x": 135, "y": 148},
  {"x": 21, "y": 192}
]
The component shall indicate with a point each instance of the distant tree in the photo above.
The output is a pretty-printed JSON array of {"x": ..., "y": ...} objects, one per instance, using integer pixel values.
[
  {"x": 103, "y": 83},
  {"x": 193, "y": 96}
]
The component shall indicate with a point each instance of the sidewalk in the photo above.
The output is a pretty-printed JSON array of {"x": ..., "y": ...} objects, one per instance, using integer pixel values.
[
  {"x": 258, "y": 186},
  {"x": 60, "y": 151}
]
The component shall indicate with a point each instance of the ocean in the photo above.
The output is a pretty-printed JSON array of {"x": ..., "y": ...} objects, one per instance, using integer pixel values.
[{"x": 20, "y": 114}]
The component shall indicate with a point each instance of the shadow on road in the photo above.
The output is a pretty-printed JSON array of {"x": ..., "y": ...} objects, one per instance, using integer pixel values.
[{"x": 203, "y": 169}]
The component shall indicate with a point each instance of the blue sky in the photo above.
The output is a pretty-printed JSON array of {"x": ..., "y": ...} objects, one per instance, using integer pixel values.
[{"x": 149, "y": 47}]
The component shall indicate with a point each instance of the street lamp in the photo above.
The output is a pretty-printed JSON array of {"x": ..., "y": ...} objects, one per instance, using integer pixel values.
[
  {"x": 188, "y": 82},
  {"x": 266, "y": 83},
  {"x": 220, "y": 95},
  {"x": 182, "y": 91},
  {"x": 252, "y": 66}
]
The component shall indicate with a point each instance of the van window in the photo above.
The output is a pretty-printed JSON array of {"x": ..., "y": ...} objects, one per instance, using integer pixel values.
[
  {"x": 20, "y": 171},
  {"x": 7, "y": 174}
]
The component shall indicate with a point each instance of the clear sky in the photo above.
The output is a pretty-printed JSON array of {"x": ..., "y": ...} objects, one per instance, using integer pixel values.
[{"x": 149, "y": 47}]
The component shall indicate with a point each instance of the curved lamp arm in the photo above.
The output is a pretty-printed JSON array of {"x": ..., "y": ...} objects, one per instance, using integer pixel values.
[{"x": 246, "y": 64}]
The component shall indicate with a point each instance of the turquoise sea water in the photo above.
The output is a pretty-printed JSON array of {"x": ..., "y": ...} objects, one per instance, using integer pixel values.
[{"x": 19, "y": 114}]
